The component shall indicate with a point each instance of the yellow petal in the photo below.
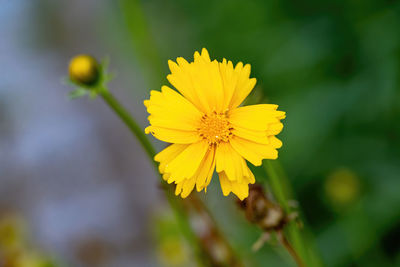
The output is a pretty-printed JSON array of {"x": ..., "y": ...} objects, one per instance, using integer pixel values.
[
  {"x": 165, "y": 176},
  {"x": 253, "y": 152},
  {"x": 206, "y": 170},
  {"x": 168, "y": 154},
  {"x": 207, "y": 82},
  {"x": 173, "y": 119},
  {"x": 244, "y": 84},
  {"x": 205, "y": 55},
  {"x": 240, "y": 189},
  {"x": 178, "y": 188},
  {"x": 256, "y": 117},
  {"x": 187, "y": 187},
  {"x": 172, "y": 135},
  {"x": 187, "y": 162},
  {"x": 229, "y": 80},
  {"x": 200, "y": 178},
  {"x": 230, "y": 162},
  {"x": 248, "y": 175},
  {"x": 275, "y": 128},
  {"x": 275, "y": 142},
  {"x": 252, "y": 135},
  {"x": 200, "y": 81},
  {"x": 180, "y": 78},
  {"x": 168, "y": 109},
  {"x": 225, "y": 183},
  {"x": 210, "y": 174}
]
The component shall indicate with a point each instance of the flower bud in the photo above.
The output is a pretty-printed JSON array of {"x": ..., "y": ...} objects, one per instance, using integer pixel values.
[{"x": 84, "y": 70}]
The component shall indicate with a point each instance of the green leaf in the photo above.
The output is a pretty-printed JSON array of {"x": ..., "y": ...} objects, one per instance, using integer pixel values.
[{"x": 77, "y": 93}]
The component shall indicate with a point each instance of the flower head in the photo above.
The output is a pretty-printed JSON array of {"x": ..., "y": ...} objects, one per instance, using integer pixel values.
[{"x": 207, "y": 127}]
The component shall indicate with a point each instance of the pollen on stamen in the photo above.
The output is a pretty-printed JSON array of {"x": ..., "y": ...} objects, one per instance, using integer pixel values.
[{"x": 215, "y": 128}]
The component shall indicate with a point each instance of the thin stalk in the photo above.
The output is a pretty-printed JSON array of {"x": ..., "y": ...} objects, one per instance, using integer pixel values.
[
  {"x": 285, "y": 243},
  {"x": 124, "y": 115},
  {"x": 283, "y": 192},
  {"x": 180, "y": 214},
  {"x": 142, "y": 40}
]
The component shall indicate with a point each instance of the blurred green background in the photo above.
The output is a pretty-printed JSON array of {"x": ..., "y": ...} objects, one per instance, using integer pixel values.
[{"x": 72, "y": 172}]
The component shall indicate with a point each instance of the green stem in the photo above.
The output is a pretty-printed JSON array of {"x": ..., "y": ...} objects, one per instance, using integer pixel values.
[
  {"x": 143, "y": 42},
  {"x": 285, "y": 243},
  {"x": 278, "y": 185},
  {"x": 124, "y": 115},
  {"x": 178, "y": 209},
  {"x": 282, "y": 191}
]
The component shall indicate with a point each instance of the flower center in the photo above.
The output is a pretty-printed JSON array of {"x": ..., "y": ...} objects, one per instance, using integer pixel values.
[{"x": 215, "y": 128}]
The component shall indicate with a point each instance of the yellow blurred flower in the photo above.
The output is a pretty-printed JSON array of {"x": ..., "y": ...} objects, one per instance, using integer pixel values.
[
  {"x": 172, "y": 252},
  {"x": 207, "y": 128},
  {"x": 15, "y": 251},
  {"x": 12, "y": 234},
  {"x": 29, "y": 260},
  {"x": 342, "y": 186}
]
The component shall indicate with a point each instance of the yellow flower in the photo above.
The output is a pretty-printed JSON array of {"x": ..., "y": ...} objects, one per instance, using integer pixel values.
[{"x": 207, "y": 128}]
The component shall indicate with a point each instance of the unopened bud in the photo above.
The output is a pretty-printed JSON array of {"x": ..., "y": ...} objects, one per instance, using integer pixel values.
[{"x": 84, "y": 70}]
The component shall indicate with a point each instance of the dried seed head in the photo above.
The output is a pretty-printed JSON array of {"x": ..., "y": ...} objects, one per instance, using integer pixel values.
[{"x": 261, "y": 211}]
